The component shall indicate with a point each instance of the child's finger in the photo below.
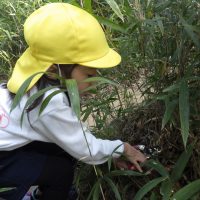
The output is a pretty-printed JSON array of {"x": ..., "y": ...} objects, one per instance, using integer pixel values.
[
  {"x": 131, "y": 167},
  {"x": 121, "y": 164},
  {"x": 137, "y": 166}
]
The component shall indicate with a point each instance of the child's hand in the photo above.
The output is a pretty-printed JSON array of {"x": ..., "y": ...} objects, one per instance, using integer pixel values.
[
  {"x": 123, "y": 164},
  {"x": 134, "y": 156}
]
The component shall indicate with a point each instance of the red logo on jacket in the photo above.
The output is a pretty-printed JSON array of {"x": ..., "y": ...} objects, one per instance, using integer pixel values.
[{"x": 4, "y": 119}]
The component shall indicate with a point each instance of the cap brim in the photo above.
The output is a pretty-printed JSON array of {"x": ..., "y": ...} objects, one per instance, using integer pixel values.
[
  {"x": 26, "y": 66},
  {"x": 111, "y": 59}
]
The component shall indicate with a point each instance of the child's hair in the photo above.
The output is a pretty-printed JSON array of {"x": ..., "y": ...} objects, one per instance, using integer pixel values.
[{"x": 47, "y": 80}]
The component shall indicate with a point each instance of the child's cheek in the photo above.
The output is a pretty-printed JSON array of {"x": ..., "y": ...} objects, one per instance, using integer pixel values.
[{"x": 83, "y": 86}]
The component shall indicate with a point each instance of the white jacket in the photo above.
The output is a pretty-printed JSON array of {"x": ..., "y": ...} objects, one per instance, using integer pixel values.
[{"x": 57, "y": 124}]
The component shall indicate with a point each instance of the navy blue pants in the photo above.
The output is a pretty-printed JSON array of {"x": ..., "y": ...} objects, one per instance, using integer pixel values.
[{"x": 38, "y": 163}]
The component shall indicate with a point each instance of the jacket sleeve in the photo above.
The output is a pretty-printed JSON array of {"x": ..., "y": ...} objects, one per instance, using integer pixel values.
[{"x": 61, "y": 126}]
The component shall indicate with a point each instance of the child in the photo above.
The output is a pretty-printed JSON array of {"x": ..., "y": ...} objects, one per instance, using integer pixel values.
[{"x": 66, "y": 40}]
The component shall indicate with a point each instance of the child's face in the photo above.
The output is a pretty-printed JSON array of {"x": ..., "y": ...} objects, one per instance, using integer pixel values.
[{"x": 81, "y": 73}]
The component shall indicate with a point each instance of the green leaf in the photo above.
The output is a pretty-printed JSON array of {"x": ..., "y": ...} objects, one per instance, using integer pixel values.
[
  {"x": 88, "y": 5},
  {"x": 95, "y": 195},
  {"x": 53, "y": 1},
  {"x": 158, "y": 167},
  {"x": 148, "y": 187},
  {"x": 33, "y": 98},
  {"x": 184, "y": 110},
  {"x": 162, "y": 5},
  {"x": 98, "y": 81},
  {"x": 133, "y": 26},
  {"x": 73, "y": 92},
  {"x": 86, "y": 113},
  {"x": 153, "y": 196},
  {"x": 7, "y": 33},
  {"x": 91, "y": 88},
  {"x": 148, "y": 3},
  {"x": 7, "y": 189},
  {"x": 188, "y": 191},
  {"x": 113, "y": 187},
  {"x": 115, "y": 8},
  {"x": 125, "y": 173},
  {"x": 160, "y": 24},
  {"x": 189, "y": 30},
  {"x": 170, "y": 106},
  {"x": 110, "y": 24},
  {"x": 22, "y": 90},
  {"x": 101, "y": 80},
  {"x": 162, "y": 97},
  {"x": 110, "y": 158},
  {"x": 116, "y": 148},
  {"x": 166, "y": 189},
  {"x": 193, "y": 78},
  {"x": 172, "y": 88},
  {"x": 181, "y": 164},
  {"x": 48, "y": 98},
  {"x": 109, "y": 162},
  {"x": 94, "y": 189},
  {"x": 73, "y": 2}
]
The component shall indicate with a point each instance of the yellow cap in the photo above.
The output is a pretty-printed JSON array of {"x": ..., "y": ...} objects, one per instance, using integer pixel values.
[{"x": 64, "y": 34}]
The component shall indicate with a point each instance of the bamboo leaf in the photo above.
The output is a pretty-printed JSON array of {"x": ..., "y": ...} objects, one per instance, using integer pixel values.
[
  {"x": 101, "y": 80},
  {"x": 172, "y": 88},
  {"x": 93, "y": 189},
  {"x": 113, "y": 187},
  {"x": 110, "y": 24},
  {"x": 115, "y": 8},
  {"x": 53, "y": 1},
  {"x": 7, "y": 189},
  {"x": 33, "y": 98},
  {"x": 193, "y": 78},
  {"x": 73, "y": 2},
  {"x": 162, "y": 97},
  {"x": 88, "y": 5},
  {"x": 48, "y": 98},
  {"x": 184, "y": 110},
  {"x": 170, "y": 106},
  {"x": 162, "y": 5},
  {"x": 115, "y": 150},
  {"x": 148, "y": 187},
  {"x": 166, "y": 189},
  {"x": 153, "y": 196},
  {"x": 90, "y": 88},
  {"x": 86, "y": 113},
  {"x": 148, "y": 3},
  {"x": 160, "y": 24},
  {"x": 109, "y": 162},
  {"x": 188, "y": 191},
  {"x": 7, "y": 33},
  {"x": 189, "y": 30},
  {"x": 22, "y": 90},
  {"x": 95, "y": 195},
  {"x": 125, "y": 173},
  {"x": 158, "y": 167},
  {"x": 73, "y": 92},
  {"x": 181, "y": 164}
]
